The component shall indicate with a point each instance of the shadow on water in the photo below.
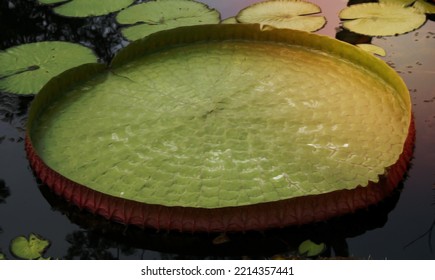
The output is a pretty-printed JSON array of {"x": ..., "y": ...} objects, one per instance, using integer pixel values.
[{"x": 99, "y": 236}]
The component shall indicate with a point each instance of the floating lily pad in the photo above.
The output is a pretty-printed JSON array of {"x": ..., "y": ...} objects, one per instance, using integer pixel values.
[
  {"x": 402, "y": 3},
  {"x": 424, "y": 7},
  {"x": 154, "y": 16},
  {"x": 372, "y": 49},
  {"x": 2, "y": 256},
  {"x": 29, "y": 249},
  {"x": 26, "y": 68},
  {"x": 379, "y": 19},
  {"x": 87, "y": 8},
  {"x": 309, "y": 248},
  {"x": 222, "y": 127},
  {"x": 292, "y": 14},
  {"x": 230, "y": 20}
]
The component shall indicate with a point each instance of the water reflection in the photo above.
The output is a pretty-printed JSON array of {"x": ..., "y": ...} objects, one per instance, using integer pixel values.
[
  {"x": 13, "y": 116},
  {"x": 4, "y": 191},
  {"x": 103, "y": 239}
]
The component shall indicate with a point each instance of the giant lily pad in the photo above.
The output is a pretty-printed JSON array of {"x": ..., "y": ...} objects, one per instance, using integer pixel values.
[
  {"x": 29, "y": 249},
  {"x": 381, "y": 19},
  {"x": 292, "y": 14},
  {"x": 154, "y": 16},
  {"x": 26, "y": 68},
  {"x": 223, "y": 127},
  {"x": 86, "y": 8}
]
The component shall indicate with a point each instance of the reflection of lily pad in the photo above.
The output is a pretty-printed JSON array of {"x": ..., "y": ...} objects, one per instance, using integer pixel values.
[
  {"x": 154, "y": 16},
  {"x": 220, "y": 120},
  {"x": 310, "y": 249},
  {"x": 292, "y": 14},
  {"x": 29, "y": 249},
  {"x": 378, "y": 19},
  {"x": 26, "y": 68},
  {"x": 86, "y": 8}
]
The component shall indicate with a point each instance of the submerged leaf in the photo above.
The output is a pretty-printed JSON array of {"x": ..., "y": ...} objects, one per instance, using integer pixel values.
[
  {"x": 154, "y": 16},
  {"x": 26, "y": 68},
  {"x": 29, "y": 249},
  {"x": 291, "y": 14},
  {"x": 376, "y": 19},
  {"x": 86, "y": 8},
  {"x": 310, "y": 249},
  {"x": 372, "y": 49}
]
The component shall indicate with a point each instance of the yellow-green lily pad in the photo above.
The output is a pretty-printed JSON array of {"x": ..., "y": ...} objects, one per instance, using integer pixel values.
[
  {"x": 225, "y": 116},
  {"x": 29, "y": 249},
  {"x": 87, "y": 8},
  {"x": 372, "y": 49},
  {"x": 424, "y": 7},
  {"x": 291, "y": 14},
  {"x": 158, "y": 15},
  {"x": 402, "y": 3},
  {"x": 309, "y": 248},
  {"x": 230, "y": 20},
  {"x": 26, "y": 68},
  {"x": 381, "y": 19}
]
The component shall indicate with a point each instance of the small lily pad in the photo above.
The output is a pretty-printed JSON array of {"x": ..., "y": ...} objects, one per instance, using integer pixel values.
[
  {"x": 154, "y": 16},
  {"x": 2, "y": 256},
  {"x": 372, "y": 49},
  {"x": 381, "y": 19},
  {"x": 26, "y": 68},
  {"x": 310, "y": 249},
  {"x": 291, "y": 14},
  {"x": 86, "y": 8},
  {"x": 29, "y": 249}
]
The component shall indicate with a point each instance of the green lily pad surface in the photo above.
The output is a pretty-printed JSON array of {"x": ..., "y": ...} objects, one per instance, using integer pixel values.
[
  {"x": 86, "y": 8},
  {"x": 381, "y": 19},
  {"x": 26, "y": 68},
  {"x": 29, "y": 249},
  {"x": 230, "y": 116},
  {"x": 158, "y": 15},
  {"x": 311, "y": 249},
  {"x": 292, "y": 14}
]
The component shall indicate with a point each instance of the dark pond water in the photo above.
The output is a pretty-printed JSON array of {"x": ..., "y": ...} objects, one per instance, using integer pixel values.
[{"x": 398, "y": 228}]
